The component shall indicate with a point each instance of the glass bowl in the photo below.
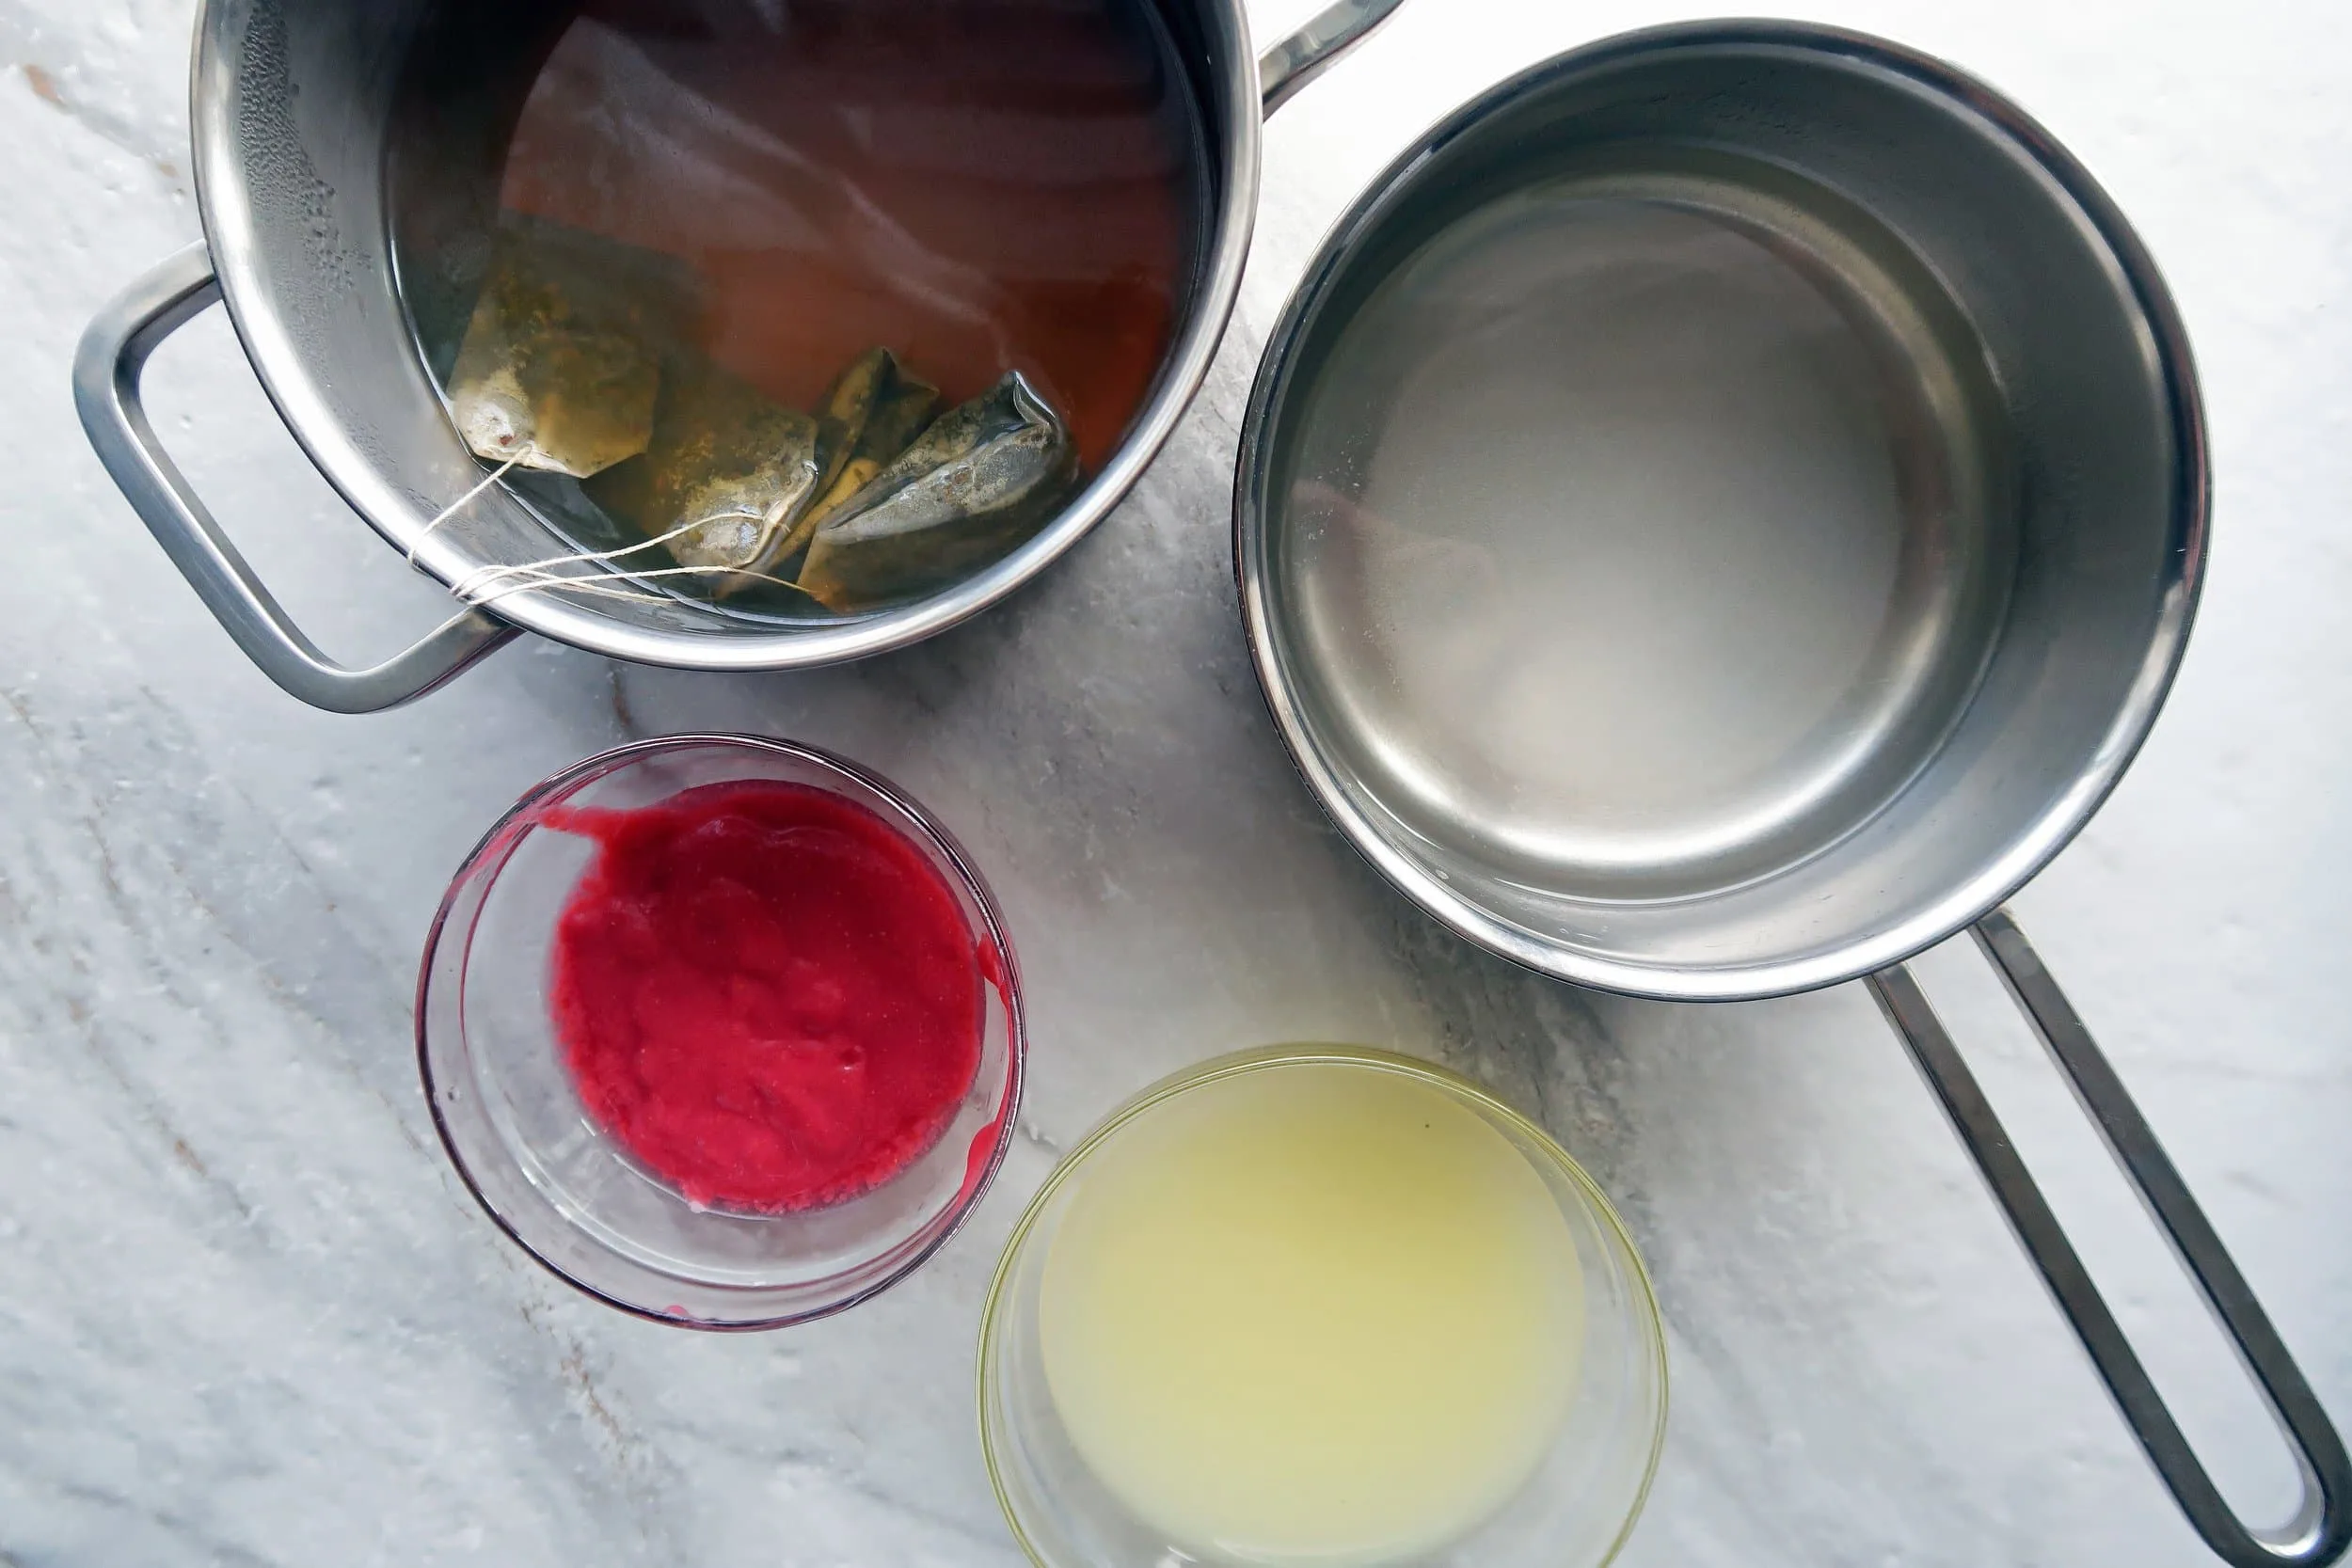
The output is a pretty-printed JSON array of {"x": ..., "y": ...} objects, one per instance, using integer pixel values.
[
  {"x": 1574, "y": 1512},
  {"x": 574, "y": 1199}
]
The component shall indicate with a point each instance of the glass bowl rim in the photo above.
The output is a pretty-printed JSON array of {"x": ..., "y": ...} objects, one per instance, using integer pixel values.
[
  {"x": 1233, "y": 1064},
  {"x": 488, "y": 856}
]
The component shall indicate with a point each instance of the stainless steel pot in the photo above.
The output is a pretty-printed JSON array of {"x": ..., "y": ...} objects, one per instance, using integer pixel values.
[
  {"x": 293, "y": 109},
  {"x": 1719, "y": 514}
]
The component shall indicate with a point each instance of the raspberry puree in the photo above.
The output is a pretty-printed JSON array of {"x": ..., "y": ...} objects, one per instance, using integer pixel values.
[{"x": 765, "y": 992}]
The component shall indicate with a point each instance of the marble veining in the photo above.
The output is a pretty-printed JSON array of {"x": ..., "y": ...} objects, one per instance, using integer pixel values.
[{"x": 247, "y": 1316}]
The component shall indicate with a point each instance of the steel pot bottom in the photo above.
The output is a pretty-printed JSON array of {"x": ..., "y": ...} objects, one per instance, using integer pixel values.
[{"x": 1719, "y": 514}]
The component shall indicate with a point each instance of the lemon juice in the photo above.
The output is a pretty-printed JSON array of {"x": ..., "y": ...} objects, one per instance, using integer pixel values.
[{"x": 1312, "y": 1314}]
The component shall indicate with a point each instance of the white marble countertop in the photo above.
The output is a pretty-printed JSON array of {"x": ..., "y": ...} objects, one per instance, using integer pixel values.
[{"x": 248, "y": 1316}]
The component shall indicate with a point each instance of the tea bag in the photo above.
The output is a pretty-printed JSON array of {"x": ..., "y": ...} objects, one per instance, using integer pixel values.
[
  {"x": 727, "y": 471},
  {"x": 879, "y": 408},
  {"x": 981, "y": 477},
  {"x": 560, "y": 364}
]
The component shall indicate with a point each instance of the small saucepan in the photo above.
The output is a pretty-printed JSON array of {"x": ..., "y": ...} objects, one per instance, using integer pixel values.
[
  {"x": 297, "y": 108},
  {"x": 1719, "y": 514}
]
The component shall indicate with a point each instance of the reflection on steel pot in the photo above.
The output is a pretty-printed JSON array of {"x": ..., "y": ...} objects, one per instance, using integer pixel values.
[
  {"x": 294, "y": 103},
  {"x": 1718, "y": 515}
]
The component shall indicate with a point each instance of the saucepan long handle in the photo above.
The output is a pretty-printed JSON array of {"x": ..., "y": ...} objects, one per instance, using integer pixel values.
[
  {"x": 2322, "y": 1522},
  {"x": 106, "y": 371},
  {"x": 1313, "y": 50}
]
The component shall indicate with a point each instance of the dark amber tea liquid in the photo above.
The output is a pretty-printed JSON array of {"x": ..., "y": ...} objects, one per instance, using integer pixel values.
[{"x": 979, "y": 185}]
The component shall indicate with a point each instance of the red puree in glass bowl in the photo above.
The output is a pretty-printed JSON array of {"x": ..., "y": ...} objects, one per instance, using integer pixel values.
[{"x": 765, "y": 992}]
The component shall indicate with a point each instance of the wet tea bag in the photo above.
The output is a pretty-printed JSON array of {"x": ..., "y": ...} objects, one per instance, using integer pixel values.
[
  {"x": 727, "y": 471},
  {"x": 879, "y": 408},
  {"x": 560, "y": 365},
  {"x": 982, "y": 477}
]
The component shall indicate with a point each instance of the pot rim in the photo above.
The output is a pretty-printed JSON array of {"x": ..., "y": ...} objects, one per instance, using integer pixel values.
[
  {"x": 2052, "y": 829},
  {"x": 224, "y": 212}
]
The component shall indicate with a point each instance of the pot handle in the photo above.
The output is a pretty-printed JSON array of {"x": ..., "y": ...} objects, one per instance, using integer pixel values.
[
  {"x": 1315, "y": 48},
  {"x": 106, "y": 371},
  {"x": 2321, "y": 1526}
]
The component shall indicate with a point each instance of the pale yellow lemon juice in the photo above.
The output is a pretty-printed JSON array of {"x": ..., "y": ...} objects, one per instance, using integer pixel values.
[{"x": 1314, "y": 1315}]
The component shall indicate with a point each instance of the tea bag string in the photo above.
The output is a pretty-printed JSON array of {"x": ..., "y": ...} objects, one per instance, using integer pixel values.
[
  {"x": 483, "y": 584},
  {"x": 590, "y": 584},
  {"x": 465, "y": 500},
  {"x": 486, "y": 583}
]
